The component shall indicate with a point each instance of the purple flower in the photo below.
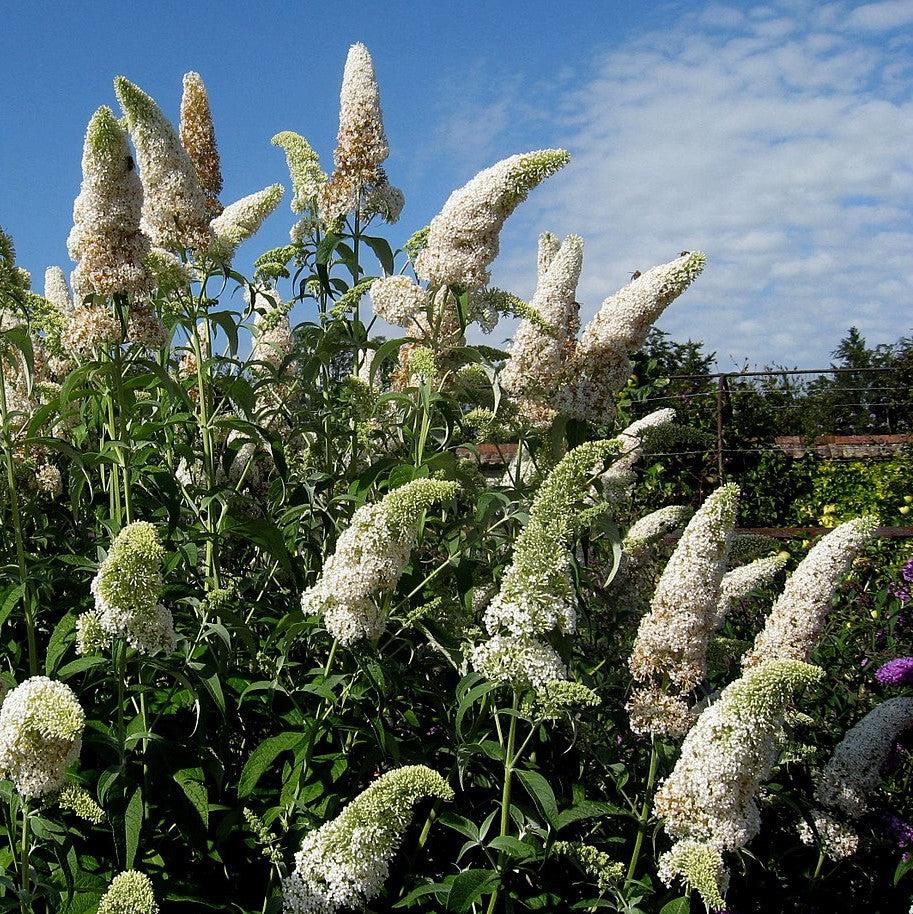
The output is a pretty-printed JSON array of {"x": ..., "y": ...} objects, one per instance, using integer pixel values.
[
  {"x": 896, "y": 672},
  {"x": 901, "y": 832},
  {"x": 907, "y": 572}
]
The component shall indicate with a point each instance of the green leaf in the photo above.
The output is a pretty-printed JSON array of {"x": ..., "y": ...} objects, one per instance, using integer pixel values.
[
  {"x": 468, "y": 887},
  {"x": 588, "y": 809},
  {"x": 59, "y": 642},
  {"x": 79, "y": 665},
  {"x": 190, "y": 780},
  {"x": 264, "y": 756},
  {"x": 14, "y": 595},
  {"x": 327, "y": 245},
  {"x": 677, "y": 906},
  {"x": 133, "y": 820},
  {"x": 382, "y": 250},
  {"x": 539, "y": 789},
  {"x": 512, "y": 846}
]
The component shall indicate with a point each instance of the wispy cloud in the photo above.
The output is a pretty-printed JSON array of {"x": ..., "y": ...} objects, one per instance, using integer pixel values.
[{"x": 779, "y": 139}]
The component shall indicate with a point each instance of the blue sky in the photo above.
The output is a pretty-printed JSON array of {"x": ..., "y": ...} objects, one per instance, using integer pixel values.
[{"x": 778, "y": 137}]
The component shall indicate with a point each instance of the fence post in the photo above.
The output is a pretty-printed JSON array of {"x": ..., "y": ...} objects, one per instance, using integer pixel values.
[{"x": 721, "y": 391}]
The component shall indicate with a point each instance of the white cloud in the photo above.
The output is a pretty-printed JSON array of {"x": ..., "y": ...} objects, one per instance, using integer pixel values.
[
  {"x": 776, "y": 139},
  {"x": 878, "y": 17}
]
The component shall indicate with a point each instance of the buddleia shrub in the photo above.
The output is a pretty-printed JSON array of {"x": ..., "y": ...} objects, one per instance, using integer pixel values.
[{"x": 299, "y": 616}]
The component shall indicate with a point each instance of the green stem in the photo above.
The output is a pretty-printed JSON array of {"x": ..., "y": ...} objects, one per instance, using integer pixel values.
[
  {"x": 13, "y": 495},
  {"x": 509, "y": 762},
  {"x": 819, "y": 865},
  {"x": 122, "y": 432},
  {"x": 644, "y": 816},
  {"x": 330, "y": 658},
  {"x": 24, "y": 873},
  {"x": 212, "y": 562}
]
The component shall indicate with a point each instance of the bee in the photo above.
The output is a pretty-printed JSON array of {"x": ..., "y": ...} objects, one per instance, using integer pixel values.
[
  {"x": 636, "y": 274},
  {"x": 683, "y": 253}
]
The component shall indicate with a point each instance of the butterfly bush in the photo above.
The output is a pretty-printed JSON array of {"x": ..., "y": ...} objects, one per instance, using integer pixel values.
[
  {"x": 130, "y": 892},
  {"x": 369, "y": 558},
  {"x": 536, "y": 594},
  {"x": 127, "y": 589},
  {"x": 672, "y": 638},
  {"x": 344, "y": 863},
  {"x": 176, "y": 211},
  {"x": 268, "y": 429},
  {"x": 41, "y": 725},
  {"x": 106, "y": 241},
  {"x": 198, "y": 136},
  {"x": 463, "y": 239},
  {"x": 710, "y": 796},
  {"x": 794, "y": 625}
]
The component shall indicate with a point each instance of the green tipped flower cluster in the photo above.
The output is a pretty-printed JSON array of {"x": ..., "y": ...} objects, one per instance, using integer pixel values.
[
  {"x": 350, "y": 298},
  {"x": 175, "y": 208},
  {"x": 370, "y": 557},
  {"x": 701, "y": 869},
  {"x": 560, "y": 697},
  {"x": 344, "y": 863},
  {"x": 129, "y": 893},
  {"x": 536, "y": 595},
  {"x": 597, "y": 864},
  {"x": 82, "y": 803},
  {"x": 417, "y": 242},
  {"x": 304, "y": 168},
  {"x": 242, "y": 219},
  {"x": 463, "y": 239},
  {"x": 536, "y": 592},
  {"x": 41, "y": 724},
  {"x": 404, "y": 506},
  {"x": 126, "y": 591},
  {"x": 728, "y": 754}
]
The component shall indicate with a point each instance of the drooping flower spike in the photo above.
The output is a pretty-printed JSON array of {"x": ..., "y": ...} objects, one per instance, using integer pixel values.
[
  {"x": 242, "y": 219},
  {"x": 106, "y": 241},
  {"x": 728, "y": 754},
  {"x": 369, "y": 559},
  {"x": 601, "y": 363},
  {"x": 176, "y": 209},
  {"x": 344, "y": 863},
  {"x": 710, "y": 796},
  {"x": 463, "y": 239},
  {"x": 304, "y": 168},
  {"x": 794, "y": 625}
]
